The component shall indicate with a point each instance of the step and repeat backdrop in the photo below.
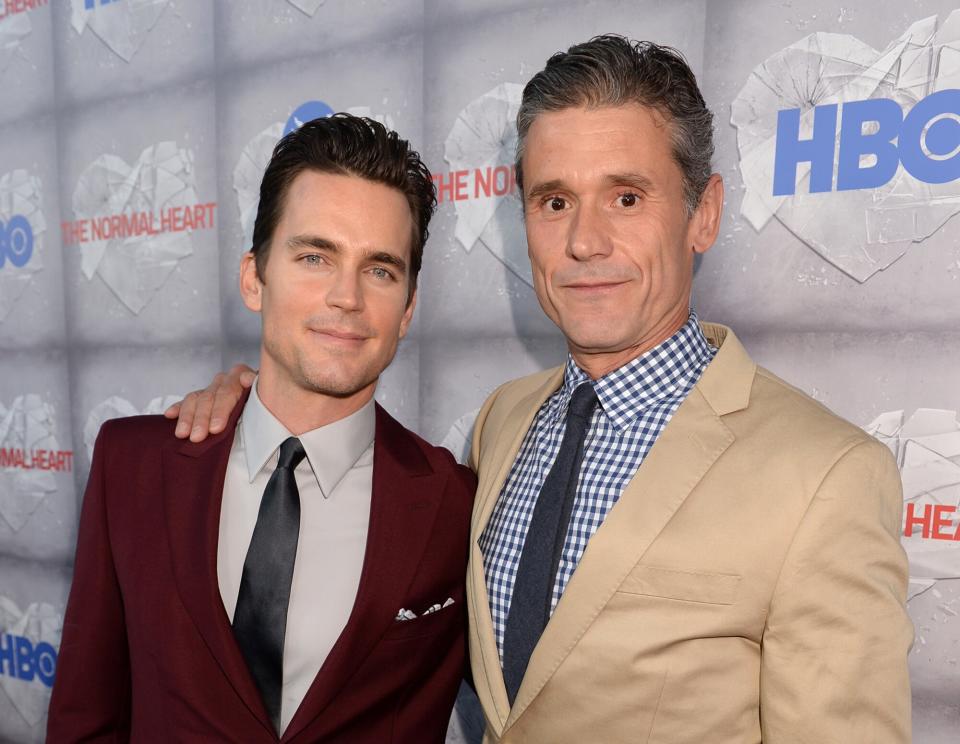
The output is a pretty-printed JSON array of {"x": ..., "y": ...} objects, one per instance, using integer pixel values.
[{"x": 133, "y": 135}]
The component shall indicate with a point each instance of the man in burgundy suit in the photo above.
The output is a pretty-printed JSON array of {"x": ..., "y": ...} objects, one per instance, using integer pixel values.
[{"x": 287, "y": 579}]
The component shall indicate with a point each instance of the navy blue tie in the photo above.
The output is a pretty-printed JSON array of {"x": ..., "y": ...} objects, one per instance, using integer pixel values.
[
  {"x": 260, "y": 619},
  {"x": 537, "y": 570}
]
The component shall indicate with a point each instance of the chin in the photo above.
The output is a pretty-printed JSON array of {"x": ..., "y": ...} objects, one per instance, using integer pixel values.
[
  {"x": 334, "y": 380},
  {"x": 596, "y": 339}
]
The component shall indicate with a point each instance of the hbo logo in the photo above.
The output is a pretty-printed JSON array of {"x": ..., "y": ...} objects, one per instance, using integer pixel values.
[
  {"x": 16, "y": 241},
  {"x": 875, "y": 139},
  {"x": 20, "y": 659}
]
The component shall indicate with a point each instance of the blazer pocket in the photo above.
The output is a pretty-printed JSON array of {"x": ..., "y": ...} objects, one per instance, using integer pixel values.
[
  {"x": 423, "y": 625},
  {"x": 687, "y": 586}
]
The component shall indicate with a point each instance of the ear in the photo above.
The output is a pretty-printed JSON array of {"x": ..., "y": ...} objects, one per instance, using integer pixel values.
[
  {"x": 251, "y": 288},
  {"x": 408, "y": 314},
  {"x": 705, "y": 224}
]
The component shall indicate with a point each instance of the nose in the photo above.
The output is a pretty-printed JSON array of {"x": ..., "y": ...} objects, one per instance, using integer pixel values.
[
  {"x": 589, "y": 236},
  {"x": 345, "y": 292}
]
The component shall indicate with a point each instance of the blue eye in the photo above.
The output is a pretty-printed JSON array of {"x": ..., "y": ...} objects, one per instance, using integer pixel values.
[{"x": 381, "y": 273}]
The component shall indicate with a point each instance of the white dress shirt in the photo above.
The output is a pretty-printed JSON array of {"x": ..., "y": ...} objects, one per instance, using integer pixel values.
[{"x": 335, "y": 481}]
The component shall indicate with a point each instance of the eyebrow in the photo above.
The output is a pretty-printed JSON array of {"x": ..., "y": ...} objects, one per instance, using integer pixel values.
[
  {"x": 633, "y": 180},
  {"x": 542, "y": 189},
  {"x": 318, "y": 242}
]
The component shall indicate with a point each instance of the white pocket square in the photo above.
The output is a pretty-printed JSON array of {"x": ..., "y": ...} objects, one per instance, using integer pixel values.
[{"x": 403, "y": 614}]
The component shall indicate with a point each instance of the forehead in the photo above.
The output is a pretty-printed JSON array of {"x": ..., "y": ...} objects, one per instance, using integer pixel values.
[
  {"x": 347, "y": 208},
  {"x": 585, "y": 140},
  {"x": 312, "y": 191}
]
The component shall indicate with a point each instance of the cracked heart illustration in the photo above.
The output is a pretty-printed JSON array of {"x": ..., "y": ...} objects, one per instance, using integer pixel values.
[
  {"x": 27, "y": 425},
  {"x": 40, "y": 624},
  {"x": 118, "y": 407},
  {"x": 122, "y": 26},
  {"x": 861, "y": 231},
  {"x": 253, "y": 160},
  {"x": 484, "y": 136},
  {"x": 309, "y": 7},
  {"x": 14, "y": 28},
  {"x": 927, "y": 449},
  {"x": 137, "y": 266},
  {"x": 20, "y": 199}
]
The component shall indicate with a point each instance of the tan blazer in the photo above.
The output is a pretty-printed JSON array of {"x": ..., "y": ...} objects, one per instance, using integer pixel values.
[{"x": 748, "y": 586}]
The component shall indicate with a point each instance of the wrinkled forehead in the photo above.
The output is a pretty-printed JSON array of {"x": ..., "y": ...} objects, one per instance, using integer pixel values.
[
  {"x": 614, "y": 139},
  {"x": 578, "y": 129}
]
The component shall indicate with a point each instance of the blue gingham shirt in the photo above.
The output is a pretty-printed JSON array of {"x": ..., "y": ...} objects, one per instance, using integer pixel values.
[{"x": 635, "y": 403}]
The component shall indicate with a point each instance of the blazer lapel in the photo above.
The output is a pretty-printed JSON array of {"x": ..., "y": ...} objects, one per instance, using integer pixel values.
[
  {"x": 403, "y": 508},
  {"x": 193, "y": 478},
  {"x": 683, "y": 454},
  {"x": 506, "y": 447},
  {"x": 686, "y": 449},
  {"x": 483, "y": 646}
]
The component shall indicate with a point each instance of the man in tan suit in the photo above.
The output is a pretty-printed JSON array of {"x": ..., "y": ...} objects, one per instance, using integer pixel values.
[{"x": 669, "y": 543}]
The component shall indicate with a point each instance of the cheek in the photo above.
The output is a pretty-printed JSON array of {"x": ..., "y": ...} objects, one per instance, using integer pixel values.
[{"x": 543, "y": 239}]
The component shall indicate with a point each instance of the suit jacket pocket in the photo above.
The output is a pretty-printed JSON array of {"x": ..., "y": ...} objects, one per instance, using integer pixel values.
[
  {"x": 424, "y": 625},
  {"x": 688, "y": 586}
]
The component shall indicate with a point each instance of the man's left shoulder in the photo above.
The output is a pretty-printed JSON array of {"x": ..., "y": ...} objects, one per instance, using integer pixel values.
[
  {"x": 440, "y": 459},
  {"x": 790, "y": 425},
  {"x": 768, "y": 410}
]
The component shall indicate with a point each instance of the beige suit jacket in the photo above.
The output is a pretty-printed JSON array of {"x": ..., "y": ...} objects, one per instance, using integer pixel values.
[{"x": 748, "y": 586}]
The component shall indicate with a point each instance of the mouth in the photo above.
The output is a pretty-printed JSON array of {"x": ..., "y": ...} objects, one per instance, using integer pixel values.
[
  {"x": 337, "y": 336},
  {"x": 593, "y": 287}
]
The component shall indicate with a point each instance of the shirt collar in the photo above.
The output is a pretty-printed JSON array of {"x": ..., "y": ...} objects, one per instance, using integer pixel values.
[
  {"x": 664, "y": 370},
  {"x": 332, "y": 450}
]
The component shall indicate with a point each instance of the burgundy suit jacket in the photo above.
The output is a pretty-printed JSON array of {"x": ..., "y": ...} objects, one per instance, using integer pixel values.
[{"x": 148, "y": 654}]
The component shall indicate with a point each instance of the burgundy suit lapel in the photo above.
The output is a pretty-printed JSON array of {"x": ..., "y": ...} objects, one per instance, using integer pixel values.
[
  {"x": 193, "y": 477},
  {"x": 403, "y": 508}
]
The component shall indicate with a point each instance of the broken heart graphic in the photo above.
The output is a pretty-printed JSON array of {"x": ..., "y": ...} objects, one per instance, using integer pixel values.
[
  {"x": 40, "y": 623},
  {"x": 254, "y": 157},
  {"x": 26, "y": 426},
  {"x": 117, "y": 407},
  {"x": 459, "y": 437},
  {"x": 14, "y": 28},
  {"x": 122, "y": 26},
  {"x": 927, "y": 449},
  {"x": 307, "y": 6},
  {"x": 20, "y": 195},
  {"x": 485, "y": 135},
  {"x": 135, "y": 267},
  {"x": 860, "y": 232}
]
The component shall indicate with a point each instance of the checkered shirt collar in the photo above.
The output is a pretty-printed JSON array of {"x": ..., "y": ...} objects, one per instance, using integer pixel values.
[{"x": 656, "y": 374}]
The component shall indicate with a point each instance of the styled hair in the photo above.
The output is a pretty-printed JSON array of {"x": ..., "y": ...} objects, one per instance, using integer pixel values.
[
  {"x": 611, "y": 70},
  {"x": 343, "y": 144}
]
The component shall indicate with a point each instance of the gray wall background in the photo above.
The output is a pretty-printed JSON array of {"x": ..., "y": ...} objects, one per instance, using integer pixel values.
[{"x": 84, "y": 337}]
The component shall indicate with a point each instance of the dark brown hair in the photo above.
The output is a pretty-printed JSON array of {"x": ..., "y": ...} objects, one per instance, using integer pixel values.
[{"x": 345, "y": 145}]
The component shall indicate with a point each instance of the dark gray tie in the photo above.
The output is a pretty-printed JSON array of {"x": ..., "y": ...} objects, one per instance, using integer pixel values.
[
  {"x": 260, "y": 619},
  {"x": 537, "y": 570}
]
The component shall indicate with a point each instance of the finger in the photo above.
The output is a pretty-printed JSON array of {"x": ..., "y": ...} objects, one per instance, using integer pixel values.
[
  {"x": 201, "y": 417},
  {"x": 188, "y": 407},
  {"x": 225, "y": 398},
  {"x": 247, "y": 376},
  {"x": 173, "y": 411}
]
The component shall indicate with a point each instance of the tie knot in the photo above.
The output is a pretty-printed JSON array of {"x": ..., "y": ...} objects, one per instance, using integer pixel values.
[
  {"x": 291, "y": 453},
  {"x": 582, "y": 401}
]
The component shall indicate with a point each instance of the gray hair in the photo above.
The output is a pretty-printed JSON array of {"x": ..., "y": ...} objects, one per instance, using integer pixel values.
[{"x": 611, "y": 70}]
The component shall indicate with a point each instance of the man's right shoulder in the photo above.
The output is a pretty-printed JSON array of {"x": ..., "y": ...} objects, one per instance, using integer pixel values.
[
  {"x": 524, "y": 393},
  {"x": 137, "y": 433},
  {"x": 513, "y": 392}
]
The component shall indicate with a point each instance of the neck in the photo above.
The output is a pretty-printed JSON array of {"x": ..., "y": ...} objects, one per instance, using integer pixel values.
[
  {"x": 597, "y": 363},
  {"x": 301, "y": 410}
]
